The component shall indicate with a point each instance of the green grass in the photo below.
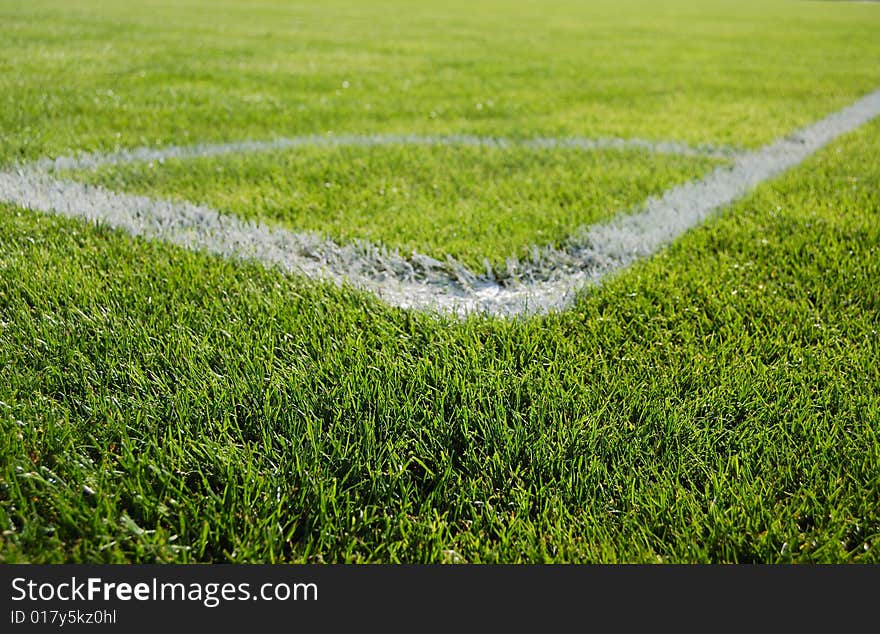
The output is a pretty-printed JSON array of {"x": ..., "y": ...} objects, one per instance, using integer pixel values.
[
  {"x": 92, "y": 74},
  {"x": 719, "y": 402},
  {"x": 471, "y": 203}
]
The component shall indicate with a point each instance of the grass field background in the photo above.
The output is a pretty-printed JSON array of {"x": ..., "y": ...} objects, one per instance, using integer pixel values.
[
  {"x": 718, "y": 402},
  {"x": 92, "y": 74}
]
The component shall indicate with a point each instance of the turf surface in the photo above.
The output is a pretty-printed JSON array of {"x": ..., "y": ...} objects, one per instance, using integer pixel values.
[
  {"x": 471, "y": 203},
  {"x": 718, "y": 402}
]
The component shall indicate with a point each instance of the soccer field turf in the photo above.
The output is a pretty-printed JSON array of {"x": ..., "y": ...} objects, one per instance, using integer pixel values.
[{"x": 714, "y": 399}]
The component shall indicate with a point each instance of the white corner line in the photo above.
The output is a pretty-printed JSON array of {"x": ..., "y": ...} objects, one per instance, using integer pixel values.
[{"x": 546, "y": 282}]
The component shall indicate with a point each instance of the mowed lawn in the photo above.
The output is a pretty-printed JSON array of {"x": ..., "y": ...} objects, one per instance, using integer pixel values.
[{"x": 719, "y": 402}]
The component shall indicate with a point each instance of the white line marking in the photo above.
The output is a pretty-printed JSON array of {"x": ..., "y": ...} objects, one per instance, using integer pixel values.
[
  {"x": 206, "y": 150},
  {"x": 548, "y": 281}
]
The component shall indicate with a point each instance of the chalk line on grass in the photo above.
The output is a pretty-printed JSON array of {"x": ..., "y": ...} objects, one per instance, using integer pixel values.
[
  {"x": 547, "y": 281},
  {"x": 89, "y": 161}
]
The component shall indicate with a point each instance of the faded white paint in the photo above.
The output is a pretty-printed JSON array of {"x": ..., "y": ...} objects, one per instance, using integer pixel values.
[{"x": 205, "y": 150}]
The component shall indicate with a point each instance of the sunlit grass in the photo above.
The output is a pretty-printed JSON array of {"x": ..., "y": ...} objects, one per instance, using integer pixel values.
[
  {"x": 719, "y": 402},
  {"x": 476, "y": 204}
]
